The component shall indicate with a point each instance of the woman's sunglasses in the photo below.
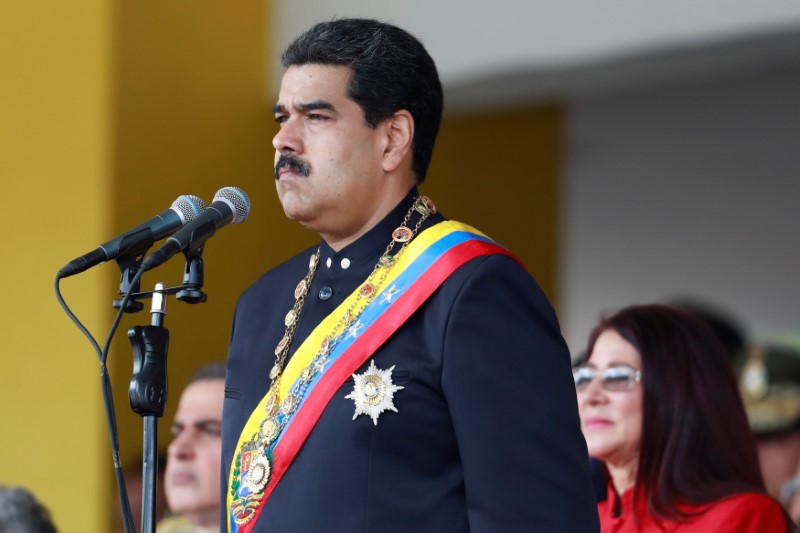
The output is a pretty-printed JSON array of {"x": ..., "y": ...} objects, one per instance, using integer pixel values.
[{"x": 613, "y": 378}]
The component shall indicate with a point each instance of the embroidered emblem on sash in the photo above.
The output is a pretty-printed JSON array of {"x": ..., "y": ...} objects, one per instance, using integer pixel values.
[
  {"x": 373, "y": 392},
  {"x": 244, "y": 506},
  {"x": 278, "y": 427}
]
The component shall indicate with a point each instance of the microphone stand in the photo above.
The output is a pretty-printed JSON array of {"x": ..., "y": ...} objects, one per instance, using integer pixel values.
[
  {"x": 148, "y": 394},
  {"x": 147, "y": 391},
  {"x": 148, "y": 388}
]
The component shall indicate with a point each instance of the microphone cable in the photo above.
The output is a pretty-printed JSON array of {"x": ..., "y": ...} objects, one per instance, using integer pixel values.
[
  {"x": 238, "y": 203},
  {"x": 108, "y": 399}
]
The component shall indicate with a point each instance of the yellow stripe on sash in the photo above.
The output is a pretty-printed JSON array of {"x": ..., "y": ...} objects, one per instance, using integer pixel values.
[{"x": 308, "y": 350}]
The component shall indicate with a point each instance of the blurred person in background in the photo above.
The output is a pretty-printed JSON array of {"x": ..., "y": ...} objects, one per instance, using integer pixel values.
[
  {"x": 660, "y": 407},
  {"x": 722, "y": 322},
  {"x": 192, "y": 477},
  {"x": 20, "y": 512},
  {"x": 769, "y": 380},
  {"x": 730, "y": 332}
]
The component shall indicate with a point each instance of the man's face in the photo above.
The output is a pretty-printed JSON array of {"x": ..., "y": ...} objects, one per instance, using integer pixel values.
[
  {"x": 192, "y": 478},
  {"x": 328, "y": 162}
]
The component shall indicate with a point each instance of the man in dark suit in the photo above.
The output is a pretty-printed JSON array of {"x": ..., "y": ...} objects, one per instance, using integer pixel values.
[{"x": 406, "y": 374}]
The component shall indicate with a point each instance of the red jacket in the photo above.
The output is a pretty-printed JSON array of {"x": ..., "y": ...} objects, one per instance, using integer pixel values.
[{"x": 741, "y": 513}]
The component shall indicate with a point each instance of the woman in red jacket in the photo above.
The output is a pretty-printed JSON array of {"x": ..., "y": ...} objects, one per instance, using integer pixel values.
[{"x": 660, "y": 407}]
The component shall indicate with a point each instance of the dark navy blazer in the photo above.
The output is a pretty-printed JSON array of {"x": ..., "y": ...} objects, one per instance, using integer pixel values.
[{"x": 486, "y": 438}]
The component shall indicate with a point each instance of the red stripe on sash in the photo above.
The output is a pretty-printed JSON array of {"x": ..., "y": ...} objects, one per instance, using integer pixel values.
[{"x": 362, "y": 349}]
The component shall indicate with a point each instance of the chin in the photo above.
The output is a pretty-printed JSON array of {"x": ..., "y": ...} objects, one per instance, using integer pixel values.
[
  {"x": 181, "y": 504},
  {"x": 293, "y": 209},
  {"x": 600, "y": 451},
  {"x": 300, "y": 214}
]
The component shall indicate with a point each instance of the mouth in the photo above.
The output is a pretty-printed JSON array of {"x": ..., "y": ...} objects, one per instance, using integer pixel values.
[
  {"x": 289, "y": 165},
  {"x": 595, "y": 422},
  {"x": 284, "y": 173},
  {"x": 181, "y": 478}
]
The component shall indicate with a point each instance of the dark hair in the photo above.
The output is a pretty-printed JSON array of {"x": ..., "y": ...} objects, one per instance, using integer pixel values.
[
  {"x": 696, "y": 445},
  {"x": 730, "y": 332},
  {"x": 21, "y": 512},
  {"x": 391, "y": 71},
  {"x": 209, "y": 371}
]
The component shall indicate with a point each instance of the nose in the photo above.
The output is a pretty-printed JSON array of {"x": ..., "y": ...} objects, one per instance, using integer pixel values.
[
  {"x": 593, "y": 394},
  {"x": 288, "y": 139},
  {"x": 181, "y": 447}
]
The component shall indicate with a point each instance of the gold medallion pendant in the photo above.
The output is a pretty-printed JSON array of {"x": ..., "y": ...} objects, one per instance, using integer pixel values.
[
  {"x": 373, "y": 392},
  {"x": 257, "y": 476}
]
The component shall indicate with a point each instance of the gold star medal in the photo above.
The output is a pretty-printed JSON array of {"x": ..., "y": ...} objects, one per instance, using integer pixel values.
[{"x": 373, "y": 392}]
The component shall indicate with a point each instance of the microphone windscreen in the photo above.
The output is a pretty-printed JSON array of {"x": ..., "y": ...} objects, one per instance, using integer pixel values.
[
  {"x": 237, "y": 199},
  {"x": 188, "y": 206}
]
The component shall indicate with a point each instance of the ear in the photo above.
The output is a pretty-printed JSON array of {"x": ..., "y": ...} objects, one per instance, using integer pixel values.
[{"x": 399, "y": 140}]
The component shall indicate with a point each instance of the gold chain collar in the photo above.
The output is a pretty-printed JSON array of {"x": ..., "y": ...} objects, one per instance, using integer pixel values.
[{"x": 272, "y": 424}]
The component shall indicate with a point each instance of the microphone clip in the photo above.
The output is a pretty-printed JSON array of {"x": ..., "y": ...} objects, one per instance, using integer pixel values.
[
  {"x": 129, "y": 265},
  {"x": 193, "y": 274},
  {"x": 188, "y": 292}
]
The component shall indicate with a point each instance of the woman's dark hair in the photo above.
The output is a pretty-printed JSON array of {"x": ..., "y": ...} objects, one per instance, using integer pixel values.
[
  {"x": 391, "y": 71},
  {"x": 696, "y": 445}
]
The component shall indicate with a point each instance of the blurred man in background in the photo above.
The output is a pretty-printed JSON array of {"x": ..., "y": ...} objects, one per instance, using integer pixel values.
[
  {"x": 769, "y": 380},
  {"x": 193, "y": 459}
]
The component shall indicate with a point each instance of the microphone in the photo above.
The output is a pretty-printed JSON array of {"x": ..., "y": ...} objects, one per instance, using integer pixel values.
[
  {"x": 230, "y": 206},
  {"x": 183, "y": 210}
]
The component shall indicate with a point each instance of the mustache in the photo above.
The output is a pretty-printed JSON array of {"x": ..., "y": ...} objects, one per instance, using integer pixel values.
[{"x": 294, "y": 163}]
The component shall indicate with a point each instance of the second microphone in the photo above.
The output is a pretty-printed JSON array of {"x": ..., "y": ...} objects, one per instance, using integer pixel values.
[{"x": 230, "y": 206}]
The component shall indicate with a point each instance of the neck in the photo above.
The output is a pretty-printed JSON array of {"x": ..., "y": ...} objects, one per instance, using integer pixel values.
[
  {"x": 207, "y": 522},
  {"x": 623, "y": 475},
  {"x": 339, "y": 240}
]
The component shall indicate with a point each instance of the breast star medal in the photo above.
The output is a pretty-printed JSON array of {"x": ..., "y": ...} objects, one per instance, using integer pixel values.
[{"x": 373, "y": 392}]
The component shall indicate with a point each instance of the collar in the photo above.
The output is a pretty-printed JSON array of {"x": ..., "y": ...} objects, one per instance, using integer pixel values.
[
  {"x": 364, "y": 252},
  {"x": 620, "y": 506}
]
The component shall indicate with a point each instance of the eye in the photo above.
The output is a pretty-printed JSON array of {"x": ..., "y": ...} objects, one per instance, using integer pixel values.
[
  {"x": 619, "y": 377},
  {"x": 212, "y": 429},
  {"x": 317, "y": 116},
  {"x": 280, "y": 119},
  {"x": 582, "y": 376}
]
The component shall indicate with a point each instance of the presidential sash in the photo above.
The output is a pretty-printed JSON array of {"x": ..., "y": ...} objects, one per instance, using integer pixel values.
[{"x": 425, "y": 264}]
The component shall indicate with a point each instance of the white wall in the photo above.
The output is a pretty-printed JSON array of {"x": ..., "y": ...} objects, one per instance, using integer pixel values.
[
  {"x": 469, "y": 38},
  {"x": 683, "y": 137},
  {"x": 688, "y": 190}
]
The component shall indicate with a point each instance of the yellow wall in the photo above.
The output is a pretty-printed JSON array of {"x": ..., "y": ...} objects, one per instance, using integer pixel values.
[
  {"x": 108, "y": 111},
  {"x": 54, "y": 162},
  {"x": 499, "y": 171}
]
